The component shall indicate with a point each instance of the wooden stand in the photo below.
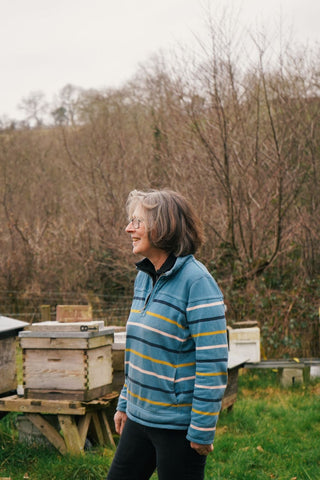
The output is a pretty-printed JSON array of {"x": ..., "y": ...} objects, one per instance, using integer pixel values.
[
  {"x": 231, "y": 392},
  {"x": 74, "y": 419}
]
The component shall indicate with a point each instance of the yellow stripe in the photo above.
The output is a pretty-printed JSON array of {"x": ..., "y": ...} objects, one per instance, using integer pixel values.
[
  {"x": 216, "y": 374},
  {"x": 165, "y": 318},
  {"x": 159, "y": 403},
  {"x": 162, "y": 362},
  {"x": 209, "y": 333},
  {"x": 213, "y": 414},
  {"x": 135, "y": 311}
]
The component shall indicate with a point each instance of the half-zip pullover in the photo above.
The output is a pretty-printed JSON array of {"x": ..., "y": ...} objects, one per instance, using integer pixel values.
[{"x": 176, "y": 350}]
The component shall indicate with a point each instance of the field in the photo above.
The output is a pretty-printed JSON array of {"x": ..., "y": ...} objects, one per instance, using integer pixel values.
[{"x": 271, "y": 433}]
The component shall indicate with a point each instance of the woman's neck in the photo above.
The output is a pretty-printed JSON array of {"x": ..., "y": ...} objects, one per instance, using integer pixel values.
[{"x": 158, "y": 259}]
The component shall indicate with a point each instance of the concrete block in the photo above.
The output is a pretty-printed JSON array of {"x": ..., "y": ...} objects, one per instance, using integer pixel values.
[
  {"x": 315, "y": 371},
  {"x": 291, "y": 376},
  {"x": 28, "y": 433}
]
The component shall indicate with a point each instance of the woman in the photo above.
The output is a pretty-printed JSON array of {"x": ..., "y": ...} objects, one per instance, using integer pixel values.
[{"x": 176, "y": 347}]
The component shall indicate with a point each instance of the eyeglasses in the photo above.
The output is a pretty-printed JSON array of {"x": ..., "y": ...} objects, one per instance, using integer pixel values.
[{"x": 136, "y": 222}]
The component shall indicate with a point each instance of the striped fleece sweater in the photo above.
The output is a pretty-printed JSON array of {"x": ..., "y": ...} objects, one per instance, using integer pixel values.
[{"x": 176, "y": 351}]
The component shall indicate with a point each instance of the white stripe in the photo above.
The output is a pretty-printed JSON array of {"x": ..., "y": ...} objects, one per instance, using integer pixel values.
[
  {"x": 209, "y": 347},
  {"x": 216, "y": 387},
  {"x": 158, "y": 331},
  {"x": 205, "y": 305},
  {"x": 185, "y": 378},
  {"x": 149, "y": 373},
  {"x": 203, "y": 429}
]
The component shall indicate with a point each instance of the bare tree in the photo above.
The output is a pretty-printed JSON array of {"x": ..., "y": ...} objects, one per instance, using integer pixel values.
[{"x": 35, "y": 108}]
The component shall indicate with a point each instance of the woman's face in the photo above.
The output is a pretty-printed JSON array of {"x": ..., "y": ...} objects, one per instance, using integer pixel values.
[{"x": 140, "y": 239}]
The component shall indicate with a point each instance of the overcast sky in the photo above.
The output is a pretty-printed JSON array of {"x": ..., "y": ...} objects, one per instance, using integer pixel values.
[{"x": 46, "y": 44}]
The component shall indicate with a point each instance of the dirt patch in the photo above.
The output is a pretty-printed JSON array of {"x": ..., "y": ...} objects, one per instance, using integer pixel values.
[{"x": 315, "y": 389}]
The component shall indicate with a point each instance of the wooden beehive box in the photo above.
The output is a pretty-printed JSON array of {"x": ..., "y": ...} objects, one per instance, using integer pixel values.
[
  {"x": 67, "y": 360},
  {"x": 118, "y": 350},
  {"x": 9, "y": 329},
  {"x": 73, "y": 313}
]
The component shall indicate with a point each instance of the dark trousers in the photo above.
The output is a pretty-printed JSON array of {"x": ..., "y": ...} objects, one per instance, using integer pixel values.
[{"x": 143, "y": 449}]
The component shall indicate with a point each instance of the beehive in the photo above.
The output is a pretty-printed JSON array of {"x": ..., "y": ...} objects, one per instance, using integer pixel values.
[
  {"x": 67, "y": 360},
  {"x": 245, "y": 342},
  {"x": 9, "y": 328}
]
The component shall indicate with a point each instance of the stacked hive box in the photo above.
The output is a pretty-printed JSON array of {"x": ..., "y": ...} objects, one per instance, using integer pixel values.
[
  {"x": 67, "y": 360},
  {"x": 245, "y": 342},
  {"x": 9, "y": 328},
  {"x": 118, "y": 350}
]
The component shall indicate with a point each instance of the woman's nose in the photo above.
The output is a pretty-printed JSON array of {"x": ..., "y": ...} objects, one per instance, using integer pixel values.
[{"x": 129, "y": 227}]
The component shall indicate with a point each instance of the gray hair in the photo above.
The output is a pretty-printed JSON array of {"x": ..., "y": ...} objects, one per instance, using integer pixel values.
[{"x": 170, "y": 220}]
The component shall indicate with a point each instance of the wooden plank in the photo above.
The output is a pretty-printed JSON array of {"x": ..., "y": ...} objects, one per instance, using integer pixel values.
[
  {"x": 106, "y": 429},
  {"x": 45, "y": 312},
  {"x": 103, "y": 400},
  {"x": 117, "y": 359},
  {"x": 108, "y": 331},
  {"x": 278, "y": 364},
  {"x": 67, "y": 327},
  {"x": 98, "y": 429},
  {"x": 48, "y": 431},
  {"x": 74, "y": 313},
  {"x": 83, "y": 426},
  {"x": 71, "y": 434},
  {"x": 64, "y": 343},
  {"x": 8, "y": 380},
  {"x": 83, "y": 395},
  {"x": 14, "y": 403},
  {"x": 228, "y": 401}
]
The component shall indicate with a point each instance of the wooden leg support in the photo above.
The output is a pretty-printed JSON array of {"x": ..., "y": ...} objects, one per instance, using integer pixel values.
[
  {"x": 74, "y": 435},
  {"x": 106, "y": 429},
  {"x": 83, "y": 427},
  {"x": 71, "y": 434}
]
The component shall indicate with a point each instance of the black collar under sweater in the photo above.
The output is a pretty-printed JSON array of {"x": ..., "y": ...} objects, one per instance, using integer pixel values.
[{"x": 146, "y": 266}]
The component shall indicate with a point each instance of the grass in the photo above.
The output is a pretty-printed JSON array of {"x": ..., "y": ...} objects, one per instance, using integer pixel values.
[{"x": 271, "y": 433}]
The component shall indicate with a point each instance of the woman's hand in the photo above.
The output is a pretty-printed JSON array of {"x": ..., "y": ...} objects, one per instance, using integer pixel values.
[
  {"x": 202, "y": 449},
  {"x": 120, "y": 419}
]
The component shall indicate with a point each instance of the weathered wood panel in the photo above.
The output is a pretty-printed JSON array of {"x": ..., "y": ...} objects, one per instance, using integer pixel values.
[
  {"x": 74, "y": 313},
  {"x": 99, "y": 364},
  {"x": 8, "y": 381},
  {"x": 81, "y": 325},
  {"x": 64, "y": 343},
  {"x": 55, "y": 369}
]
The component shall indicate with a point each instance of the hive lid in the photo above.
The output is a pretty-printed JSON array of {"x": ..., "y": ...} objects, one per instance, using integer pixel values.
[
  {"x": 236, "y": 360},
  {"x": 69, "y": 330},
  {"x": 7, "y": 324},
  {"x": 67, "y": 326}
]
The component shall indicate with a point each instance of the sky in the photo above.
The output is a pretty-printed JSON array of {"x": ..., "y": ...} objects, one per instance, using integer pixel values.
[{"x": 47, "y": 44}]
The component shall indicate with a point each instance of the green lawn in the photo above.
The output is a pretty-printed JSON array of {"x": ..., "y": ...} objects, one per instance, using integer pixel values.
[{"x": 271, "y": 433}]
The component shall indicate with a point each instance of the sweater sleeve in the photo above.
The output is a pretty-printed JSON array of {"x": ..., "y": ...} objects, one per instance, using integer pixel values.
[
  {"x": 122, "y": 401},
  {"x": 207, "y": 325}
]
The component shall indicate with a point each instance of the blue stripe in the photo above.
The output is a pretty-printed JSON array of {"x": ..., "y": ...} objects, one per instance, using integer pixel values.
[
  {"x": 170, "y": 305},
  {"x": 210, "y": 319},
  {"x": 149, "y": 387},
  {"x": 210, "y": 400},
  {"x": 214, "y": 360},
  {"x": 161, "y": 347},
  {"x": 184, "y": 392}
]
